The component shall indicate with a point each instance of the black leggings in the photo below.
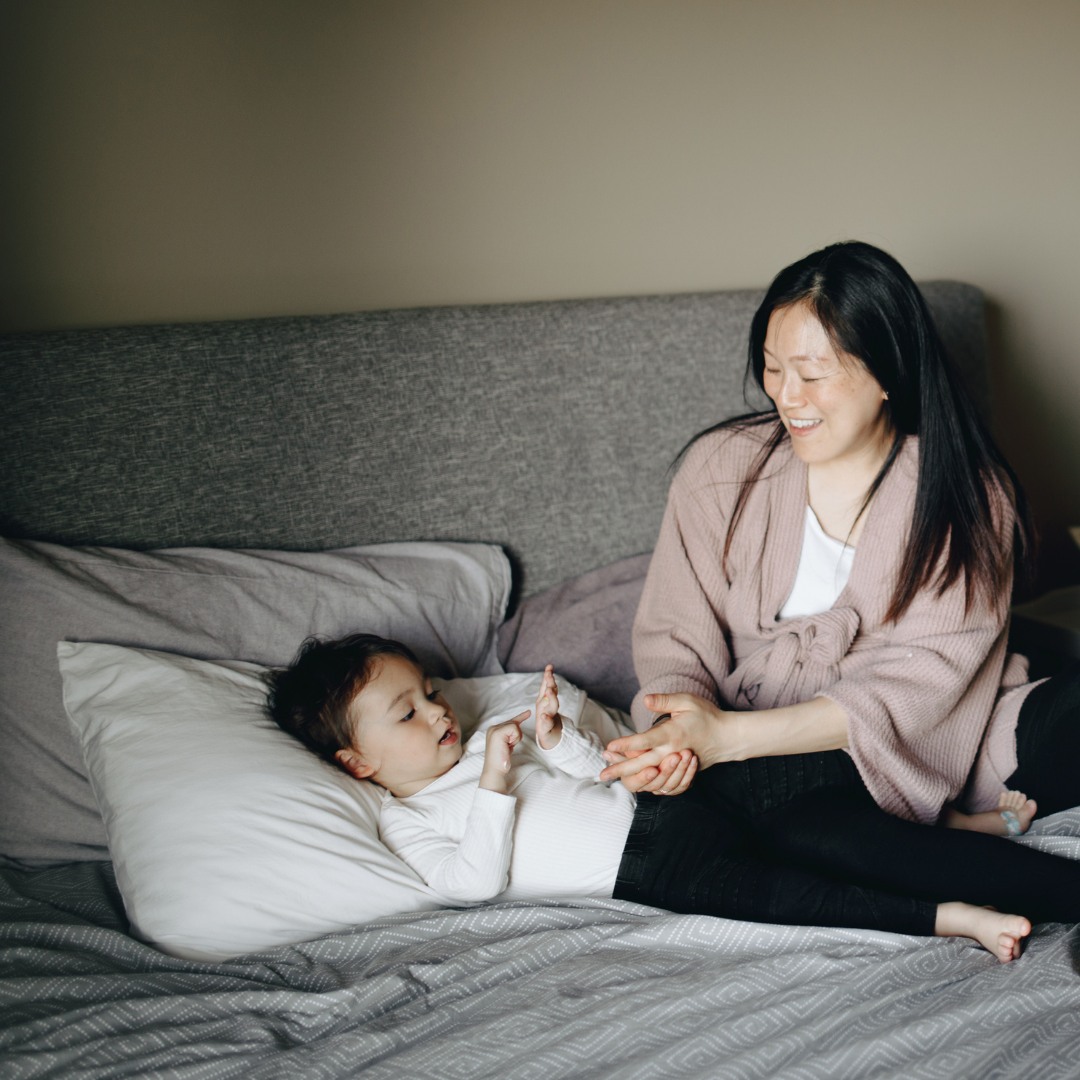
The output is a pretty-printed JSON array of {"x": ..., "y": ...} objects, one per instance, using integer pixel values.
[
  {"x": 798, "y": 839},
  {"x": 1048, "y": 744}
]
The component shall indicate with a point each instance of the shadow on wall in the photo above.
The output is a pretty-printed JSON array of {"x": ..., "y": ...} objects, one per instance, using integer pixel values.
[{"x": 1026, "y": 437}]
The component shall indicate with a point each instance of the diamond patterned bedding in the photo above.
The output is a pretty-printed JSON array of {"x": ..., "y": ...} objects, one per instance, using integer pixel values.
[{"x": 553, "y": 990}]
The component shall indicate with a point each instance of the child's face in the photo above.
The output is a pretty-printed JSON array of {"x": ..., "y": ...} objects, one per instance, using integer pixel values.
[{"x": 405, "y": 734}]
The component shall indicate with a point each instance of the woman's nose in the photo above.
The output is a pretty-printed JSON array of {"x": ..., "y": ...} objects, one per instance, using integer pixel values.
[{"x": 792, "y": 393}]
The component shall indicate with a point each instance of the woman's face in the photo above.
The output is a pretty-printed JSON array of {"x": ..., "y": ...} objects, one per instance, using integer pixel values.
[{"x": 832, "y": 407}]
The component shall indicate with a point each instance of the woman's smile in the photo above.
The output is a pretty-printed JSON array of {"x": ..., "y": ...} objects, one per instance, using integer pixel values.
[{"x": 804, "y": 371}]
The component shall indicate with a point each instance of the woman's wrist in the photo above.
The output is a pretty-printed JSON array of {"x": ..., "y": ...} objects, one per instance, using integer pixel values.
[
  {"x": 724, "y": 741},
  {"x": 808, "y": 727}
]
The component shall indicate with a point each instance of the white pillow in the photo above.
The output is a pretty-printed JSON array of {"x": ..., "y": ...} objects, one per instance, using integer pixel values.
[{"x": 227, "y": 835}]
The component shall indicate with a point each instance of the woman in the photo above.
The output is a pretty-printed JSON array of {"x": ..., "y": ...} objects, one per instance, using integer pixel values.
[{"x": 827, "y": 604}]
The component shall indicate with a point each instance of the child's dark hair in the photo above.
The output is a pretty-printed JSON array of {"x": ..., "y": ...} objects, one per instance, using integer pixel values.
[{"x": 310, "y": 698}]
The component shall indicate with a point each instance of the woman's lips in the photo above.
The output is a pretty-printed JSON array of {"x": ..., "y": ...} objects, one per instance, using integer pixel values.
[{"x": 802, "y": 430}]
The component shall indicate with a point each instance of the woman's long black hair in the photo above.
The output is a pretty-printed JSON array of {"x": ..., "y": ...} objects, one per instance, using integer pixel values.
[{"x": 872, "y": 310}]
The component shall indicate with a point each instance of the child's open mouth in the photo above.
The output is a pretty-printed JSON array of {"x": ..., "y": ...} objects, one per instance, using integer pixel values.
[{"x": 449, "y": 737}]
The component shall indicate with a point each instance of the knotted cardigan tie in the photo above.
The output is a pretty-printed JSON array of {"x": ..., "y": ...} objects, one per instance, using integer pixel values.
[{"x": 798, "y": 659}]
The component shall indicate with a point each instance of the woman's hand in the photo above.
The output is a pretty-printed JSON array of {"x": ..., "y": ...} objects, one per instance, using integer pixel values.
[
  {"x": 645, "y": 762},
  {"x": 665, "y": 758}
]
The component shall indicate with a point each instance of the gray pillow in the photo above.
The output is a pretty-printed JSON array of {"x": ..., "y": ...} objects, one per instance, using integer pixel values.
[
  {"x": 443, "y": 600},
  {"x": 583, "y": 627}
]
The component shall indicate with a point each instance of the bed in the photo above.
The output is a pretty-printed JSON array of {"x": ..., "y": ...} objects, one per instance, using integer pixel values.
[{"x": 547, "y": 430}]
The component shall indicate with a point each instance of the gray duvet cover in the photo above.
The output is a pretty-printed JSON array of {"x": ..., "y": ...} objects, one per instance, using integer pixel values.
[{"x": 549, "y": 990}]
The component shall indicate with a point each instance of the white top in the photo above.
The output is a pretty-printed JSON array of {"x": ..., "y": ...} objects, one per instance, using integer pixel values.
[
  {"x": 824, "y": 569},
  {"x": 560, "y": 831}
]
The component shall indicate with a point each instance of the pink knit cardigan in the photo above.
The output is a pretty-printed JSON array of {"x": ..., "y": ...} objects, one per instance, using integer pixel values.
[{"x": 931, "y": 700}]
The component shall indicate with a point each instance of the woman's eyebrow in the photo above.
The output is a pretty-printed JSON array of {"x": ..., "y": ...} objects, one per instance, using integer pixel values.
[{"x": 798, "y": 359}]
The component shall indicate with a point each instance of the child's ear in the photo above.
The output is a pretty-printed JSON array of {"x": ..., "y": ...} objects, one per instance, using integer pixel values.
[{"x": 354, "y": 764}]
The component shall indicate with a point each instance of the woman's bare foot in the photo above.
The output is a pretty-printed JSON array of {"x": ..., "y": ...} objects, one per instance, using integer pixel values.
[
  {"x": 1022, "y": 809},
  {"x": 996, "y": 822},
  {"x": 997, "y": 933}
]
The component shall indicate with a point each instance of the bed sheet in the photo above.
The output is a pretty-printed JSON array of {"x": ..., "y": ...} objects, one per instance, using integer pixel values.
[{"x": 585, "y": 988}]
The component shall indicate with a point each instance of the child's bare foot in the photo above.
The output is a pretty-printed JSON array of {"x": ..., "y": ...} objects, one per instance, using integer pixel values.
[
  {"x": 1012, "y": 817},
  {"x": 1000, "y": 934}
]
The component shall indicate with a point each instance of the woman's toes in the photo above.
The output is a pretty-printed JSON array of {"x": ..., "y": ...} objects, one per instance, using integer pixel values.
[
  {"x": 1025, "y": 814},
  {"x": 1018, "y": 929},
  {"x": 1011, "y": 800},
  {"x": 1012, "y": 929},
  {"x": 1006, "y": 945}
]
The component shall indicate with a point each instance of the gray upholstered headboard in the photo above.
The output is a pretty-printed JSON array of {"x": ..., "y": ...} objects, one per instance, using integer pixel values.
[{"x": 547, "y": 428}]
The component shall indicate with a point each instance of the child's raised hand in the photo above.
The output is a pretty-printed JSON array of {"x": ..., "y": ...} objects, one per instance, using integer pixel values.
[
  {"x": 548, "y": 720},
  {"x": 501, "y": 740}
]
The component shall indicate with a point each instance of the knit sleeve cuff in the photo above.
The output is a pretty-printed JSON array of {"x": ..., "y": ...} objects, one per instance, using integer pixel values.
[{"x": 576, "y": 753}]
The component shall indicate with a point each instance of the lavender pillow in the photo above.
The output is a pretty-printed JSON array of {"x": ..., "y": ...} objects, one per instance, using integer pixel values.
[
  {"x": 583, "y": 627},
  {"x": 444, "y": 600}
]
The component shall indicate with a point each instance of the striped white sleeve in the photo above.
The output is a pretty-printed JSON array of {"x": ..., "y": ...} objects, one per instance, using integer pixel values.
[
  {"x": 469, "y": 872},
  {"x": 578, "y": 753}
]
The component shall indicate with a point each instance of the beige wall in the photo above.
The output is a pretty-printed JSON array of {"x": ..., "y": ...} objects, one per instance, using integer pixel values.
[{"x": 176, "y": 159}]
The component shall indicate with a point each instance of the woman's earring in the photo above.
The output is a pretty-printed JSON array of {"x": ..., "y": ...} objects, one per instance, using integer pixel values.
[{"x": 886, "y": 394}]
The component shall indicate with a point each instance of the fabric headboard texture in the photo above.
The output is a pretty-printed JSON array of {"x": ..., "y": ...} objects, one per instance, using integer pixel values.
[{"x": 547, "y": 428}]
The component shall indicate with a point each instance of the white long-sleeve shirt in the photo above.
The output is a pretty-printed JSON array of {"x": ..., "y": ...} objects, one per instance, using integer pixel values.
[{"x": 559, "y": 832}]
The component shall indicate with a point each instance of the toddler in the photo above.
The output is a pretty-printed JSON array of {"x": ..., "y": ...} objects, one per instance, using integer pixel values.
[{"x": 509, "y": 816}]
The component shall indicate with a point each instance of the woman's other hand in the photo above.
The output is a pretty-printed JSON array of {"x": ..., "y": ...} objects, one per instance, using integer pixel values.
[
  {"x": 671, "y": 776},
  {"x": 714, "y": 735},
  {"x": 665, "y": 758}
]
